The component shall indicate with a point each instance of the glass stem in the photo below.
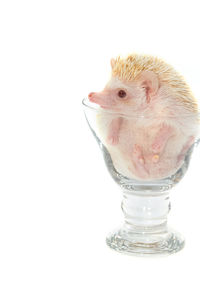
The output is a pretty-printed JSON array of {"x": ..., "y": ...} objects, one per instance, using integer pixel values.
[{"x": 145, "y": 212}]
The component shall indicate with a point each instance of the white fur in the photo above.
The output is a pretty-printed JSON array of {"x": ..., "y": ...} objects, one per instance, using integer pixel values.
[{"x": 141, "y": 123}]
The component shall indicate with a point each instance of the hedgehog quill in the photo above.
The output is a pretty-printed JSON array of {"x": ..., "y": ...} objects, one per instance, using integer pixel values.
[{"x": 155, "y": 119}]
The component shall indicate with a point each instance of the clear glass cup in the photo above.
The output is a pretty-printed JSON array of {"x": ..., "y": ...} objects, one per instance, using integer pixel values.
[{"x": 145, "y": 201}]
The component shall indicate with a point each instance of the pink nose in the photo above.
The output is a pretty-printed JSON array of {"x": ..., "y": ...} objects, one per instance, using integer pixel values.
[{"x": 90, "y": 95}]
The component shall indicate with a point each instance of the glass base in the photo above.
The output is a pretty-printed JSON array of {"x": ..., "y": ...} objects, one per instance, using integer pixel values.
[{"x": 159, "y": 243}]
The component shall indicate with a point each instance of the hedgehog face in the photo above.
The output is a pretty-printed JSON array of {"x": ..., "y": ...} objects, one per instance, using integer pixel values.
[{"x": 119, "y": 96}]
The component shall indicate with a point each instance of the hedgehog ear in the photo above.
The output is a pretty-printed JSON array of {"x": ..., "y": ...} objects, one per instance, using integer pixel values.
[
  {"x": 112, "y": 62},
  {"x": 149, "y": 81}
]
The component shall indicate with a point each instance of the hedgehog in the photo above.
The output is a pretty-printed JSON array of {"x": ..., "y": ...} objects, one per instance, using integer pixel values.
[{"x": 148, "y": 117}]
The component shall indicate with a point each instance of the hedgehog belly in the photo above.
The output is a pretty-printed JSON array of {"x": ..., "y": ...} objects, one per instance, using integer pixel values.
[{"x": 127, "y": 163}]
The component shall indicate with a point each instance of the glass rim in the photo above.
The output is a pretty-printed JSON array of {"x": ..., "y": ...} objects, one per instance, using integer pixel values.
[{"x": 95, "y": 107}]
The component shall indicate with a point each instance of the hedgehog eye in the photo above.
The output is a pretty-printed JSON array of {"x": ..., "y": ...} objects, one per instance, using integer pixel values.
[{"x": 122, "y": 94}]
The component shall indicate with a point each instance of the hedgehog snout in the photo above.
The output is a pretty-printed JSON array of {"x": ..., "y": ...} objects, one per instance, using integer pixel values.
[{"x": 90, "y": 95}]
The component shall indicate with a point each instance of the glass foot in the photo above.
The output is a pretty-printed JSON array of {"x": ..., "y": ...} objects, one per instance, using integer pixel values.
[{"x": 144, "y": 243}]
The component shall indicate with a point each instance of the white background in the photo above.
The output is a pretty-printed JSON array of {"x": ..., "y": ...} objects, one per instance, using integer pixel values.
[{"x": 57, "y": 201}]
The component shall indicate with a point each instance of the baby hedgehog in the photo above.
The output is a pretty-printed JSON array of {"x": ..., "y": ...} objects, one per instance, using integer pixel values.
[{"x": 148, "y": 117}]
